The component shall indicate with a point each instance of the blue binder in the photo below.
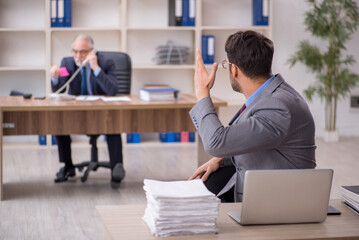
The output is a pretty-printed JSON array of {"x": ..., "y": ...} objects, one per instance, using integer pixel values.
[
  {"x": 170, "y": 137},
  {"x": 53, "y": 13},
  {"x": 68, "y": 13},
  {"x": 185, "y": 13},
  {"x": 136, "y": 137},
  {"x": 192, "y": 13},
  {"x": 129, "y": 138},
  {"x": 53, "y": 140},
  {"x": 208, "y": 49},
  {"x": 191, "y": 136},
  {"x": 260, "y": 12},
  {"x": 163, "y": 137},
  {"x": 60, "y": 13},
  {"x": 177, "y": 136},
  {"x": 42, "y": 140},
  {"x": 204, "y": 48}
]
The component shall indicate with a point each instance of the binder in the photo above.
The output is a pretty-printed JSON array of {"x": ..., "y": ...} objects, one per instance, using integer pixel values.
[
  {"x": 184, "y": 137},
  {"x": 53, "y": 13},
  {"x": 185, "y": 12},
  {"x": 191, "y": 136},
  {"x": 42, "y": 140},
  {"x": 260, "y": 12},
  {"x": 204, "y": 49},
  {"x": 136, "y": 137},
  {"x": 177, "y": 136},
  {"x": 129, "y": 138},
  {"x": 163, "y": 137},
  {"x": 67, "y": 13},
  {"x": 171, "y": 13},
  {"x": 53, "y": 140},
  {"x": 60, "y": 13},
  {"x": 192, "y": 13},
  {"x": 178, "y": 12},
  {"x": 170, "y": 137},
  {"x": 208, "y": 49}
]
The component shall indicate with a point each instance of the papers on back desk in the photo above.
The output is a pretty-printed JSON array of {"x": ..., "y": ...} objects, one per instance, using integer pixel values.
[
  {"x": 103, "y": 98},
  {"x": 180, "y": 208}
]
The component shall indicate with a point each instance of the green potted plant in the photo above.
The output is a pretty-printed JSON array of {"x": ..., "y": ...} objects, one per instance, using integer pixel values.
[{"x": 333, "y": 21}]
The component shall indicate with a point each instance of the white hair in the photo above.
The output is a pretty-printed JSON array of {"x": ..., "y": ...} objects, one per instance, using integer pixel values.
[{"x": 89, "y": 39}]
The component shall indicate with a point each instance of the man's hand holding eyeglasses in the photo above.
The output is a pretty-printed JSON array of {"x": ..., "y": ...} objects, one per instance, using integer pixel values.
[{"x": 203, "y": 80}]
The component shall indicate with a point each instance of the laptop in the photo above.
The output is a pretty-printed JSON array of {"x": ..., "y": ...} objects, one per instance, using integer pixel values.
[{"x": 285, "y": 196}]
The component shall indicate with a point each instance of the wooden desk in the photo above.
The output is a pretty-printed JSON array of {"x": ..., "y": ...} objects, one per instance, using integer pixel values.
[
  {"x": 124, "y": 222},
  {"x": 20, "y": 116}
]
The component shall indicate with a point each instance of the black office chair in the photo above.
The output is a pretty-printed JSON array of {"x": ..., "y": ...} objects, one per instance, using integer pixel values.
[{"x": 123, "y": 72}]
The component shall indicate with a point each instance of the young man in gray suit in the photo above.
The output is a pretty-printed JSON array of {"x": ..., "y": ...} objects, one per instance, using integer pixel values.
[{"x": 273, "y": 130}]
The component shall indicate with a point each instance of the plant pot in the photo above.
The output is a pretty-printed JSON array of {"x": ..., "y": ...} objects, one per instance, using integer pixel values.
[{"x": 331, "y": 136}]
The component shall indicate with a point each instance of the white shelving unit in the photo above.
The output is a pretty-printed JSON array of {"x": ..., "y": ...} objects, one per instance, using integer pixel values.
[{"x": 29, "y": 46}]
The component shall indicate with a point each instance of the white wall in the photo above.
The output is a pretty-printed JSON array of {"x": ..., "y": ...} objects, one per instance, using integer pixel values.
[{"x": 288, "y": 30}]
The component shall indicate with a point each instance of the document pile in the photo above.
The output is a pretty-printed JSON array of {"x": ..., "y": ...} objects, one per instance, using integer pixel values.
[
  {"x": 350, "y": 196},
  {"x": 180, "y": 208},
  {"x": 159, "y": 93}
]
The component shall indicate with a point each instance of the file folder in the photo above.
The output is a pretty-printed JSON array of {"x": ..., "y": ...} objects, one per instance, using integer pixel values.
[
  {"x": 260, "y": 12},
  {"x": 208, "y": 49},
  {"x": 204, "y": 49},
  {"x": 185, "y": 12},
  {"x": 42, "y": 140},
  {"x": 171, "y": 13},
  {"x": 178, "y": 12},
  {"x": 68, "y": 13},
  {"x": 53, "y": 13},
  {"x": 60, "y": 13},
  {"x": 192, "y": 13}
]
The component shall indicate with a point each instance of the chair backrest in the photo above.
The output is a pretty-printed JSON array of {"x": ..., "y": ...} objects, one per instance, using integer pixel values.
[{"x": 123, "y": 70}]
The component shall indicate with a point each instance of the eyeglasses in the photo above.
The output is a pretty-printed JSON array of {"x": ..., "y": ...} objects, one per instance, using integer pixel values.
[
  {"x": 225, "y": 64},
  {"x": 81, "y": 52}
]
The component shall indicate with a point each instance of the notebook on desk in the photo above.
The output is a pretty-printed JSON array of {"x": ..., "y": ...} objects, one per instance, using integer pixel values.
[{"x": 284, "y": 196}]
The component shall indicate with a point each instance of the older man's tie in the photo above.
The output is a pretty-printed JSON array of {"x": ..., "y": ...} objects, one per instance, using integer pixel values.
[{"x": 83, "y": 82}]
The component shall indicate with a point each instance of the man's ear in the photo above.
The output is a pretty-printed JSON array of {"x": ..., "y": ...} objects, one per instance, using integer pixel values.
[{"x": 235, "y": 71}]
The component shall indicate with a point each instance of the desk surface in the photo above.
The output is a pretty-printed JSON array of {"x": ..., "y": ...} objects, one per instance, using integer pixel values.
[
  {"x": 124, "y": 222},
  {"x": 30, "y": 116},
  {"x": 21, "y": 104}
]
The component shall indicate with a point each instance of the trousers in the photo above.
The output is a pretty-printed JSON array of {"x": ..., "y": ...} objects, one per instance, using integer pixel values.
[
  {"x": 218, "y": 179},
  {"x": 114, "y": 144}
]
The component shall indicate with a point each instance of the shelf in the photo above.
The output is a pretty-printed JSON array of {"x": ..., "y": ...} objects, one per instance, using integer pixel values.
[
  {"x": 235, "y": 28},
  {"x": 84, "y": 29},
  {"x": 164, "y": 67},
  {"x": 161, "y": 28},
  {"x": 22, "y": 29},
  {"x": 23, "y": 68}
]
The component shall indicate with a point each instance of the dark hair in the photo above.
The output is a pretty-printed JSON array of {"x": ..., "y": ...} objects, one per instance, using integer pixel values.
[{"x": 251, "y": 52}]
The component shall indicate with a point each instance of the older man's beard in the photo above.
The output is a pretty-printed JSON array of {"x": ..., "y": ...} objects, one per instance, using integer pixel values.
[
  {"x": 235, "y": 85},
  {"x": 78, "y": 62}
]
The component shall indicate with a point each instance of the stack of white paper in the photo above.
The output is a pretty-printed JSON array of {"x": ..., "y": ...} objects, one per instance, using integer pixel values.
[
  {"x": 180, "y": 208},
  {"x": 350, "y": 196}
]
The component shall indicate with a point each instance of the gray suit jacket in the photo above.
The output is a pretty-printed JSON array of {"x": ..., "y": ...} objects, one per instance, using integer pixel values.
[{"x": 276, "y": 131}]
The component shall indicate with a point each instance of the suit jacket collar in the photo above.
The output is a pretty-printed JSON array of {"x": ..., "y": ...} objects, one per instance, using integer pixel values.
[{"x": 277, "y": 81}]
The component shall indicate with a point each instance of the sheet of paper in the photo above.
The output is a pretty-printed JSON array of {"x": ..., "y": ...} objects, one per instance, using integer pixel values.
[
  {"x": 88, "y": 98},
  {"x": 116, "y": 99}
]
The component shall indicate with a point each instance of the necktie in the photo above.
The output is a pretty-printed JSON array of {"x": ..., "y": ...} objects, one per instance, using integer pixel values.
[
  {"x": 237, "y": 114},
  {"x": 242, "y": 108},
  {"x": 83, "y": 82}
]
